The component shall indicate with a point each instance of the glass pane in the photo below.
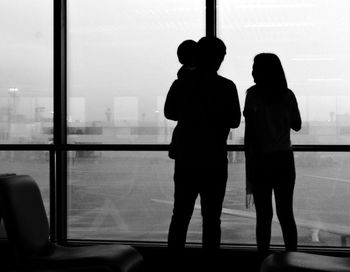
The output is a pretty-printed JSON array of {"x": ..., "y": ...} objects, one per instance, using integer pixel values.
[
  {"x": 121, "y": 62},
  {"x": 26, "y": 71},
  {"x": 312, "y": 40},
  {"x": 322, "y": 198},
  {"x": 321, "y": 202},
  {"x": 118, "y": 195},
  {"x": 33, "y": 163},
  {"x": 129, "y": 196}
]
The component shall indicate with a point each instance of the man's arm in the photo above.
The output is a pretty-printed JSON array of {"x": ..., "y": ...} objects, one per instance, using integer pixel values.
[{"x": 170, "y": 106}]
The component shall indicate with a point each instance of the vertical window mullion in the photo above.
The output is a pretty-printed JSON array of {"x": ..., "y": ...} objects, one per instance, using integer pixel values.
[
  {"x": 210, "y": 18},
  {"x": 60, "y": 116},
  {"x": 52, "y": 167}
]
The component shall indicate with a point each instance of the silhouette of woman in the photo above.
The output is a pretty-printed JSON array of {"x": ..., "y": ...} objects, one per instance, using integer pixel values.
[{"x": 270, "y": 111}]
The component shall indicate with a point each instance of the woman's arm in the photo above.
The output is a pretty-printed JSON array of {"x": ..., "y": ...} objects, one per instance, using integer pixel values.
[{"x": 295, "y": 123}]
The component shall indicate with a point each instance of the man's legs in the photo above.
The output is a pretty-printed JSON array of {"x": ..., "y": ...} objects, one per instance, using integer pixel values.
[
  {"x": 213, "y": 186},
  {"x": 185, "y": 194}
]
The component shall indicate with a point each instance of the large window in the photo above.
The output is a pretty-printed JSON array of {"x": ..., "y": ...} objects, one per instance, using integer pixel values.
[
  {"x": 26, "y": 71},
  {"x": 128, "y": 195},
  {"x": 26, "y": 89},
  {"x": 114, "y": 63},
  {"x": 121, "y": 62},
  {"x": 312, "y": 40}
]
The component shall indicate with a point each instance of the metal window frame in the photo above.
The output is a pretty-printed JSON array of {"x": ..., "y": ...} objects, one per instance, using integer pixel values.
[
  {"x": 210, "y": 18},
  {"x": 60, "y": 120},
  {"x": 58, "y": 150}
]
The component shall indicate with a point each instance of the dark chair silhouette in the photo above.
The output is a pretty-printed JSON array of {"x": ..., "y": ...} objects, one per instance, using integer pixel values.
[
  {"x": 304, "y": 262},
  {"x": 27, "y": 228}
]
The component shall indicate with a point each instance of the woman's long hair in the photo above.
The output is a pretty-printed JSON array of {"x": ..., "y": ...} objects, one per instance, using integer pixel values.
[{"x": 269, "y": 76}]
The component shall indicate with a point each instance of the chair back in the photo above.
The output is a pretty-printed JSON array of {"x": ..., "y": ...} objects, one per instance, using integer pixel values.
[
  {"x": 4, "y": 175},
  {"x": 24, "y": 215}
]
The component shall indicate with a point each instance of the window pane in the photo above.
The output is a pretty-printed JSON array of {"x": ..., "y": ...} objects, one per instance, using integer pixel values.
[
  {"x": 129, "y": 196},
  {"x": 118, "y": 195},
  {"x": 26, "y": 71},
  {"x": 322, "y": 197},
  {"x": 33, "y": 163},
  {"x": 321, "y": 202},
  {"x": 121, "y": 63},
  {"x": 312, "y": 40}
]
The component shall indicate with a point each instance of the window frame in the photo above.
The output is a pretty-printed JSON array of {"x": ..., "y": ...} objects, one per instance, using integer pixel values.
[{"x": 59, "y": 149}]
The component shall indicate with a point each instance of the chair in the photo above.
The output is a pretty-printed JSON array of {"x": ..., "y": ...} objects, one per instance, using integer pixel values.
[
  {"x": 304, "y": 262},
  {"x": 27, "y": 229}
]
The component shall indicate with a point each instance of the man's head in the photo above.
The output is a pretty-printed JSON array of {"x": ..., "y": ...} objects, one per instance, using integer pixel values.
[{"x": 211, "y": 53}]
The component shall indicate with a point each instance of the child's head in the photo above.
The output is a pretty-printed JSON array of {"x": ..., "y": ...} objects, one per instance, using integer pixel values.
[{"x": 186, "y": 52}]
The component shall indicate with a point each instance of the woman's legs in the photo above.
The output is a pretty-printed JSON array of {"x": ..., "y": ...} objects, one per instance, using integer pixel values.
[
  {"x": 275, "y": 172},
  {"x": 284, "y": 191},
  {"x": 264, "y": 212}
]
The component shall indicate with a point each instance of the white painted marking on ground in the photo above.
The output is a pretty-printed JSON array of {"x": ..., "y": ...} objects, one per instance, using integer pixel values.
[
  {"x": 315, "y": 226},
  {"x": 329, "y": 178}
]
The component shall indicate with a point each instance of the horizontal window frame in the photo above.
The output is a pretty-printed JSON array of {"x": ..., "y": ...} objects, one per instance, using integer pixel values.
[{"x": 151, "y": 147}]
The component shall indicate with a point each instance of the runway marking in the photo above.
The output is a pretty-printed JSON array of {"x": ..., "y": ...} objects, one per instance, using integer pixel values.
[
  {"x": 315, "y": 226},
  {"x": 100, "y": 215},
  {"x": 329, "y": 178},
  {"x": 224, "y": 210}
]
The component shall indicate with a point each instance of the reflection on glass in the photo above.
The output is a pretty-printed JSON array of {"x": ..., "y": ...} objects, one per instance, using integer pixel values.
[
  {"x": 312, "y": 40},
  {"x": 26, "y": 68},
  {"x": 129, "y": 196},
  {"x": 33, "y": 163},
  {"x": 121, "y": 62}
]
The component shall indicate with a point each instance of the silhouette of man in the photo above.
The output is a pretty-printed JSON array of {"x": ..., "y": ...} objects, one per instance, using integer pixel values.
[{"x": 206, "y": 107}]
